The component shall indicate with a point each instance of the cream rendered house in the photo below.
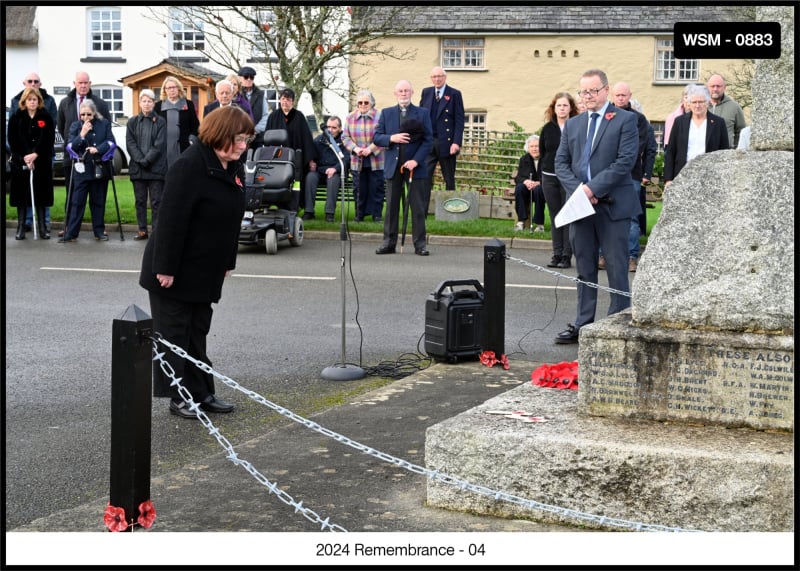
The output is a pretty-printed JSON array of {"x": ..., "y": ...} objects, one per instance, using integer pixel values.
[{"x": 509, "y": 61}]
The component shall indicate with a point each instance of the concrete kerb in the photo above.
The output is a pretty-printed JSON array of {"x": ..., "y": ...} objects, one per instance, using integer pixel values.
[{"x": 433, "y": 239}]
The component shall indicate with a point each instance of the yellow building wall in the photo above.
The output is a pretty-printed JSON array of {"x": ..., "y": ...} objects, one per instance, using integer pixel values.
[{"x": 516, "y": 85}]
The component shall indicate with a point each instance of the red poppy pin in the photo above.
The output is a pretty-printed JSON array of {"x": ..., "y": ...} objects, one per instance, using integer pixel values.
[
  {"x": 238, "y": 181},
  {"x": 609, "y": 116},
  {"x": 447, "y": 98},
  {"x": 185, "y": 107},
  {"x": 41, "y": 124}
]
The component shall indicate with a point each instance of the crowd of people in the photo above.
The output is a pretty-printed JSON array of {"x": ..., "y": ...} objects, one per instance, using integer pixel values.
[{"x": 190, "y": 172}]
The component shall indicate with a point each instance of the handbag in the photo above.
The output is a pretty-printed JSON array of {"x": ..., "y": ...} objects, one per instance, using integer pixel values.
[{"x": 102, "y": 170}]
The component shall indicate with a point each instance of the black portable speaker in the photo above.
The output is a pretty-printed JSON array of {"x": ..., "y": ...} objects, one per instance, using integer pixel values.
[{"x": 453, "y": 320}]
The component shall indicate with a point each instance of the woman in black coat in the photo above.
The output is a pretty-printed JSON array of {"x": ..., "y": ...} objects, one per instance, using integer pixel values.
[
  {"x": 31, "y": 134},
  {"x": 91, "y": 138},
  {"x": 146, "y": 142},
  {"x": 181, "y": 116},
  {"x": 683, "y": 145},
  {"x": 561, "y": 108},
  {"x": 194, "y": 248}
]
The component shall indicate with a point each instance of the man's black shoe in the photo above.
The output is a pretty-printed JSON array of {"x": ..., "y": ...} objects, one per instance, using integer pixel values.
[
  {"x": 329, "y": 218},
  {"x": 385, "y": 250},
  {"x": 554, "y": 261},
  {"x": 568, "y": 336},
  {"x": 358, "y": 219},
  {"x": 180, "y": 408},
  {"x": 212, "y": 404},
  {"x": 377, "y": 219},
  {"x": 422, "y": 252},
  {"x": 565, "y": 262},
  {"x": 308, "y": 216}
]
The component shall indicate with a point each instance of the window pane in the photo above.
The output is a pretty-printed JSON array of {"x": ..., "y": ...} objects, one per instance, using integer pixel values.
[{"x": 105, "y": 25}]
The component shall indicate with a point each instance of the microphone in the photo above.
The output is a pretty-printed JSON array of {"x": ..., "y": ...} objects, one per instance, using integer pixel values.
[{"x": 334, "y": 146}]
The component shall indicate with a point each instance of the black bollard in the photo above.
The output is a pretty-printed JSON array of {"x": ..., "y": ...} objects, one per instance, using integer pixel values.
[
  {"x": 131, "y": 388},
  {"x": 494, "y": 300}
]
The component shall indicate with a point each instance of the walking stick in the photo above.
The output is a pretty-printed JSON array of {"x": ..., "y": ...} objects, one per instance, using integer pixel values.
[
  {"x": 406, "y": 202},
  {"x": 68, "y": 205},
  {"x": 109, "y": 156},
  {"x": 35, "y": 218}
]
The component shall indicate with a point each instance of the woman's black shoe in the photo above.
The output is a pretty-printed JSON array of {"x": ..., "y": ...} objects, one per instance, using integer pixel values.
[
  {"x": 554, "y": 261},
  {"x": 565, "y": 262},
  {"x": 180, "y": 408},
  {"x": 212, "y": 404},
  {"x": 20, "y": 232}
]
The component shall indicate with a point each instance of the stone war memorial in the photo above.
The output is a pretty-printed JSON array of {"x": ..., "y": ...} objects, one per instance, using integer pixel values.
[{"x": 684, "y": 416}]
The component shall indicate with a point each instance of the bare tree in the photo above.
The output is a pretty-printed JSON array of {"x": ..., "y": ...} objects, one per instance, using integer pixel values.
[{"x": 301, "y": 46}]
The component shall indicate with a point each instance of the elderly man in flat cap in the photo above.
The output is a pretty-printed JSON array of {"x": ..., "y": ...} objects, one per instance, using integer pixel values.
[{"x": 258, "y": 102}]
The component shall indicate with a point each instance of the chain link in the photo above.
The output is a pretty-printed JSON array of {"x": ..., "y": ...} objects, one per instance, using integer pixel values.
[
  {"x": 570, "y": 278},
  {"x": 309, "y": 514}
]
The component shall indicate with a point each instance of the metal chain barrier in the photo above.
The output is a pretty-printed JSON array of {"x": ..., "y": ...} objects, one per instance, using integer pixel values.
[
  {"x": 309, "y": 514},
  {"x": 570, "y": 278}
]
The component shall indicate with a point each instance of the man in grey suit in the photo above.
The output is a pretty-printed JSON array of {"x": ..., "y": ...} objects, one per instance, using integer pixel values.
[
  {"x": 404, "y": 130},
  {"x": 598, "y": 148}
]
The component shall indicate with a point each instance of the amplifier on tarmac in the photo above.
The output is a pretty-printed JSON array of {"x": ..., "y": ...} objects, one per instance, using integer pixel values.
[{"x": 453, "y": 320}]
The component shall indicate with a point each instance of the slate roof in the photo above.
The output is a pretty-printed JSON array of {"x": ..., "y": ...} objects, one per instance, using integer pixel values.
[{"x": 537, "y": 19}]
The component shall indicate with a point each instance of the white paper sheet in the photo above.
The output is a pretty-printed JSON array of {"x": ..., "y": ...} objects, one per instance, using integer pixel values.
[{"x": 576, "y": 207}]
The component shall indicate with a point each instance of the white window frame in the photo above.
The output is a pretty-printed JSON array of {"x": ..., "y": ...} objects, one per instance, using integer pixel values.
[
  {"x": 463, "y": 53},
  {"x": 179, "y": 19},
  {"x": 475, "y": 126},
  {"x": 667, "y": 68},
  {"x": 104, "y": 31},
  {"x": 114, "y": 96}
]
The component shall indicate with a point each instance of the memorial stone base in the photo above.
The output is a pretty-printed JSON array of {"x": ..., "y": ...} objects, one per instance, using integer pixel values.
[
  {"x": 706, "y": 377},
  {"x": 675, "y": 474}
]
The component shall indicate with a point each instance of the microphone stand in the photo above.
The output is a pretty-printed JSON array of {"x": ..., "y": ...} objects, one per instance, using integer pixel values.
[{"x": 342, "y": 371}]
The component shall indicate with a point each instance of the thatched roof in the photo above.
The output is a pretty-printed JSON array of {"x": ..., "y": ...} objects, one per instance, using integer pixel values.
[{"x": 19, "y": 25}]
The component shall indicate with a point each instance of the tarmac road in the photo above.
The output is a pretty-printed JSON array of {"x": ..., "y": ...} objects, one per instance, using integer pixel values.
[{"x": 277, "y": 326}]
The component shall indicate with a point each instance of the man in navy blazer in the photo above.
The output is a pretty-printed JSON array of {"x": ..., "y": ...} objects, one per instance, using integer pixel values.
[
  {"x": 447, "y": 120},
  {"x": 404, "y": 130},
  {"x": 605, "y": 179}
]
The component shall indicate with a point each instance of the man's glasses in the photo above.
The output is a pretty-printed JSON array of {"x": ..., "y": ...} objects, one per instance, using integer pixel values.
[
  {"x": 248, "y": 77},
  {"x": 87, "y": 114},
  {"x": 242, "y": 139},
  {"x": 592, "y": 92},
  {"x": 32, "y": 81},
  {"x": 363, "y": 103}
]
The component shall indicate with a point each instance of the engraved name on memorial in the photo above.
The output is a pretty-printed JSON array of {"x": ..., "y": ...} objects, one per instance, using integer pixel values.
[{"x": 716, "y": 384}]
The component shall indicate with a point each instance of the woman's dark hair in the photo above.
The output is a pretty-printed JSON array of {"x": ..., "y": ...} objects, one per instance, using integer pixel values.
[
  {"x": 220, "y": 127},
  {"x": 550, "y": 112}
]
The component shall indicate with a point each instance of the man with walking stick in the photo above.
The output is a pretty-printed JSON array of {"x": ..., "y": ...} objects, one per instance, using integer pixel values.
[{"x": 405, "y": 131}]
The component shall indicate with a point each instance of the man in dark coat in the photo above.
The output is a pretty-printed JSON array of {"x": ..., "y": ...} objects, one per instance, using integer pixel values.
[
  {"x": 258, "y": 103},
  {"x": 294, "y": 122},
  {"x": 404, "y": 130},
  {"x": 446, "y": 107}
]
